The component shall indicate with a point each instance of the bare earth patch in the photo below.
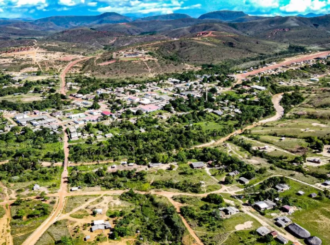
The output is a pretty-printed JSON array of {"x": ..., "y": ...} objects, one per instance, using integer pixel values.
[{"x": 244, "y": 226}]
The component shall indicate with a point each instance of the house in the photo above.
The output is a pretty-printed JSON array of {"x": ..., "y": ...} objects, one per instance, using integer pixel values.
[
  {"x": 263, "y": 231},
  {"x": 155, "y": 165},
  {"x": 315, "y": 160},
  {"x": 261, "y": 206},
  {"x": 106, "y": 113},
  {"x": 270, "y": 204},
  {"x": 282, "y": 221},
  {"x": 36, "y": 187},
  {"x": 149, "y": 108},
  {"x": 131, "y": 164},
  {"x": 326, "y": 183},
  {"x": 259, "y": 87},
  {"x": 98, "y": 222},
  {"x": 234, "y": 173},
  {"x": 298, "y": 231},
  {"x": 313, "y": 195},
  {"x": 113, "y": 166},
  {"x": 197, "y": 165},
  {"x": 217, "y": 112},
  {"x": 274, "y": 234},
  {"x": 288, "y": 209},
  {"x": 97, "y": 211},
  {"x": 87, "y": 238},
  {"x": 313, "y": 240},
  {"x": 229, "y": 210},
  {"x": 282, "y": 239},
  {"x": 301, "y": 193},
  {"x": 74, "y": 188},
  {"x": 282, "y": 187},
  {"x": 97, "y": 227},
  {"x": 243, "y": 180}
]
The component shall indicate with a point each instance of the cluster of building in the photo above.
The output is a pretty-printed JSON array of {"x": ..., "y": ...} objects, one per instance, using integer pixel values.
[{"x": 36, "y": 121}]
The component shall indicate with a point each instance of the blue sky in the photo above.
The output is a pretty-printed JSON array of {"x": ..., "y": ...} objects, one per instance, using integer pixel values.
[{"x": 44, "y": 8}]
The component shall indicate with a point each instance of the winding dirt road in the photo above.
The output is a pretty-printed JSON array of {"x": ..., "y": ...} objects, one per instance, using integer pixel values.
[{"x": 279, "y": 114}]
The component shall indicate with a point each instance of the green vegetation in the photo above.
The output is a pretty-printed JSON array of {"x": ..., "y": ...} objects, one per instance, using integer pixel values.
[
  {"x": 27, "y": 215},
  {"x": 153, "y": 217}
]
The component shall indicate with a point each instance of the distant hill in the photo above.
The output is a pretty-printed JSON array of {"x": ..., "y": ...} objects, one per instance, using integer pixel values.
[
  {"x": 165, "y": 17},
  {"x": 310, "y": 15},
  {"x": 226, "y": 16},
  {"x": 64, "y": 22}
]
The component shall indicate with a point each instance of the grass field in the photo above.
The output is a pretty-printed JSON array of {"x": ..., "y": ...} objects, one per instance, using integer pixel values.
[
  {"x": 80, "y": 214},
  {"x": 289, "y": 144},
  {"x": 76, "y": 201},
  {"x": 54, "y": 234},
  {"x": 184, "y": 172},
  {"x": 296, "y": 128}
]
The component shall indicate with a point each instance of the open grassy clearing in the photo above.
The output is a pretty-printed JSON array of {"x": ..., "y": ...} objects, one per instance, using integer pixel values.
[
  {"x": 289, "y": 144},
  {"x": 26, "y": 216},
  {"x": 76, "y": 201},
  {"x": 296, "y": 128},
  {"x": 22, "y": 98},
  {"x": 55, "y": 232},
  {"x": 184, "y": 173}
]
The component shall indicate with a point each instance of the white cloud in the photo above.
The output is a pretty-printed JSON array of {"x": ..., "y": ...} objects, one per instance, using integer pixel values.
[
  {"x": 264, "y": 3},
  {"x": 303, "y": 6},
  {"x": 152, "y": 6},
  {"x": 20, "y": 3},
  {"x": 1, "y": 10},
  {"x": 92, "y": 4},
  {"x": 68, "y": 2}
]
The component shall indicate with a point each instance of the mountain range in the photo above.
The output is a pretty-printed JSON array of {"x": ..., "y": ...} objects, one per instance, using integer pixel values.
[{"x": 306, "y": 30}]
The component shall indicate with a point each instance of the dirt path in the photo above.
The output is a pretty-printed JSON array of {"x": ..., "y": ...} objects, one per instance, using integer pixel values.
[
  {"x": 279, "y": 113},
  {"x": 185, "y": 222},
  {"x": 65, "y": 71},
  {"x": 286, "y": 62},
  {"x": 10, "y": 120},
  {"x": 6, "y": 237},
  {"x": 34, "y": 237}
]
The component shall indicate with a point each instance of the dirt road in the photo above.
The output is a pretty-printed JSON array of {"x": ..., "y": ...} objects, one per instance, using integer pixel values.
[
  {"x": 279, "y": 113},
  {"x": 65, "y": 71},
  {"x": 286, "y": 62},
  {"x": 34, "y": 237}
]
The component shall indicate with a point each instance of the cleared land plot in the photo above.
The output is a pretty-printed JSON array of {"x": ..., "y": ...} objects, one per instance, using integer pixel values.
[
  {"x": 184, "y": 173},
  {"x": 296, "y": 128},
  {"x": 76, "y": 201}
]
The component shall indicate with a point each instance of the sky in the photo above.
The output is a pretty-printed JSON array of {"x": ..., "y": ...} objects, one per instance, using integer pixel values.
[{"x": 43, "y": 8}]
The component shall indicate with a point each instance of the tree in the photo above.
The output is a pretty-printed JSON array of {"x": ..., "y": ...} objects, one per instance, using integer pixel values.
[
  {"x": 213, "y": 198},
  {"x": 66, "y": 240}
]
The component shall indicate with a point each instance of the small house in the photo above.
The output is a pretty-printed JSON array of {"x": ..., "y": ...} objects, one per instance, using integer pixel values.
[
  {"x": 234, "y": 173},
  {"x": 282, "y": 187},
  {"x": 288, "y": 209},
  {"x": 98, "y": 222},
  {"x": 243, "y": 180},
  {"x": 198, "y": 165},
  {"x": 229, "y": 210},
  {"x": 263, "y": 231},
  {"x": 282, "y": 239},
  {"x": 97, "y": 211},
  {"x": 301, "y": 193},
  {"x": 74, "y": 188},
  {"x": 97, "y": 227},
  {"x": 326, "y": 183},
  {"x": 274, "y": 234},
  {"x": 87, "y": 238},
  {"x": 261, "y": 206},
  {"x": 313, "y": 240},
  {"x": 36, "y": 187},
  {"x": 313, "y": 195}
]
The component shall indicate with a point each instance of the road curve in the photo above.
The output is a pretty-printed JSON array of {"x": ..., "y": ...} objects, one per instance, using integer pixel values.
[{"x": 279, "y": 114}]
